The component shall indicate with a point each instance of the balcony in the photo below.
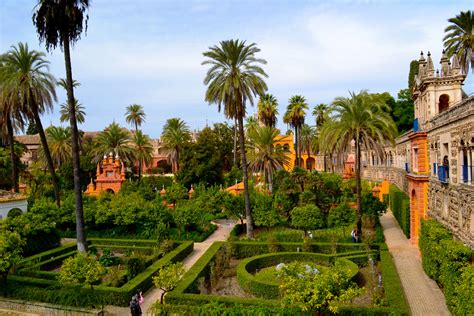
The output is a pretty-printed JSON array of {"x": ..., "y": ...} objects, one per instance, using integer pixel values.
[
  {"x": 416, "y": 127},
  {"x": 407, "y": 169},
  {"x": 467, "y": 173},
  {"x": 443, "y": 174},
  {"x": 435, "y": 167}
]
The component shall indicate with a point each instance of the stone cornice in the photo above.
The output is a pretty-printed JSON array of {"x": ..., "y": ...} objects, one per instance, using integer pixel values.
[{"x": 459, "y": 111}]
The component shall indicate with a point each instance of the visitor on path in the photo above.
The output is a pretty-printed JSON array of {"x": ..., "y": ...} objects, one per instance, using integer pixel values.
[
  {"x": 354, "y": 235},
  {"x": 135, "y": 303}
]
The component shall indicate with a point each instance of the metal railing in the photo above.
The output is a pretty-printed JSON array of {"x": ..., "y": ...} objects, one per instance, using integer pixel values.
[
  {"x": 416, "y": 126},
  {"x": 466, "y": 173},
  {"x": 443, "y": 174}
]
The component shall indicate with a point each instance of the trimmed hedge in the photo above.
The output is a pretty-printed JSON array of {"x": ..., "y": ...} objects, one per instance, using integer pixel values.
[
  {"x": 185, "y": 294},
  {"x": 448, "y": 262},
  {"x": 400, "y": 206},
  {"x": 270, "y": 290},
  {"x": 51, "y": 291},
  {"x": 48, "y": 254},
  {"x": 392, "y": 284}
]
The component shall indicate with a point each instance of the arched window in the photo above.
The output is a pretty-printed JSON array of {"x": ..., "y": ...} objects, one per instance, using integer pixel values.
[{"x": 443, "y": 103}]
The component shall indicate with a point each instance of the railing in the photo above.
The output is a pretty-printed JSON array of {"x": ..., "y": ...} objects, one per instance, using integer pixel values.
[
  {"x": 416, "y": 127},
  {"x": 443, "y": 174},
  {"x": 406, "y": 167},
  {"x": 435, "y": 166},
  {"x": 467, "y": 173}
]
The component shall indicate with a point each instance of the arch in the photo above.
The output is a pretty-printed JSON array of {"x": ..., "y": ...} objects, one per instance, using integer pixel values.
[
  {"x": 14, "y": 212},
  {"x": 443, "y": 104},
  {"x": 414, "y": 215},
  {"x": 310, "y": 163},
  {"x": 109, "y": 190}
]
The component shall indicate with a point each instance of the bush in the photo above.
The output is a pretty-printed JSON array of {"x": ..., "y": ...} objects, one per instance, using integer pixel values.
[
  {"x": 400, "y": 206},
  {"x": 392, "y": 286},
  {"x": 135, "y": 265},
  {"x": 307, "y": 217},
  {"x": 446, "y": 261}
]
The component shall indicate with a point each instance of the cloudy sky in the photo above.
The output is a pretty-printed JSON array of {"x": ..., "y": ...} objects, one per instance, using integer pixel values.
[{"x": 150, "y": 51}]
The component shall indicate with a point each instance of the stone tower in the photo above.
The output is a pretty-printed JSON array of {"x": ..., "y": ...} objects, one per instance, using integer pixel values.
[{"x": 436, "y": 91}]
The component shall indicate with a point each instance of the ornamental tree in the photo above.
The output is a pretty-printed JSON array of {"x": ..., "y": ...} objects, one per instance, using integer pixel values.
[
  {"x": 307, "y": 217},
  {"x": 81, "y": 269},
  {"x": 10, "y": 251},
  {"x": 168, "y": 277}
]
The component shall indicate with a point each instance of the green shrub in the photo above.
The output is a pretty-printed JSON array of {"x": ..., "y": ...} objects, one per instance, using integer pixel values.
[
  {"x": 431, "y": 235},
  {"x": 392, "y": 285},
  {"x": 107, "y": 259},
  {"x": 400, "y": 206},
  {"x": 134, "y": 266},
  {"x": 463, "y": 302}
]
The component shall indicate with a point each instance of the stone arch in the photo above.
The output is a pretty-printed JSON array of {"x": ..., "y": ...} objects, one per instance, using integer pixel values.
[
  {"x": 14, "y": 212},
  {"x": 443, "y": 104},
  {"x": 109, "y": 190},
  {"x": 310, "y": 163}
]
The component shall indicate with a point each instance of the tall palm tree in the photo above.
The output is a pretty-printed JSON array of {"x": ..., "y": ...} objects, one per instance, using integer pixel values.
[
  {"x": 175, "y": 134},
  {"x": 143, "y": 150},
  {"x": 11, "y": 121},
  {"x": 28, "y": 83},
  {"x": 251, "y": 123},
  {"x": 61, "y": 22},
  {"x": 268, "y": 110},
  {"x": 116, "y": 140},
  {"x": 235, "y": 77},
  {"x": 294, "y": 116},
  {"x": 320, "y": 112},
  {"x": 59, "y": 141},
  {"x": 365, "y": 120},
  {"x": 307, "y": 139},
  {"x": 459, "y": 38},
  {"x": 135, "y": 115},
  {"x": 264, "y": 155},
  {"x": 78, "y": 108}
]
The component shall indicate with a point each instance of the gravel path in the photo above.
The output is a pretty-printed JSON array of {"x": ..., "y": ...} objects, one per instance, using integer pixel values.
[
  {"x": 423, "y": 294},
  {"x": 222, "y": 232}
]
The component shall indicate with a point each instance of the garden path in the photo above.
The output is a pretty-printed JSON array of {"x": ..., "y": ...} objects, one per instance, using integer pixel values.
[
  {"x": 423, "y": 294},
  {"x": 222, "y": 232}
]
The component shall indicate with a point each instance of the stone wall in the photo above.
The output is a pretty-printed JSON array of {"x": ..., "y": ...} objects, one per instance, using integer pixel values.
[
  {"x": 394, "y": 175},
  {"x": 453, "y": 206}
]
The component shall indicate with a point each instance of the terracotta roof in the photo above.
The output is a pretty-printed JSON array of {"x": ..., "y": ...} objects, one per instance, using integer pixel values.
[
  {"x": 28, "y": 139},
  {"x": 237, "y": 187}
]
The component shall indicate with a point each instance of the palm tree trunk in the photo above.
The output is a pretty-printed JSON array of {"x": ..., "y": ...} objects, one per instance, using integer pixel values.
[
  {"x": 248, "y": 213},
  {"x": 308, "y": 150},
  {"x": 358, "y": 187},
  {"x": 235, "y": 141},
  {"x": 47, "y": 153},
  {"x": 80, "y": 234},
  {"x": 11, "y": 143},
  {"x": 270, "y": 181},
  {"x": 139, "y": 170},
  {"x": 325, "y": 162},
  {"x": 177, "y": 159},
  {"x": 297, "y": 146}
]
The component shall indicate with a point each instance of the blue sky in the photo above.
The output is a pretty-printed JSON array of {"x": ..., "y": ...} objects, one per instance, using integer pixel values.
[{"x": 150, "y": 52}]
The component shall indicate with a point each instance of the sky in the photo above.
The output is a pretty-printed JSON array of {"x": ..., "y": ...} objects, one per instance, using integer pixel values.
[{"x": 150, "y": 51}]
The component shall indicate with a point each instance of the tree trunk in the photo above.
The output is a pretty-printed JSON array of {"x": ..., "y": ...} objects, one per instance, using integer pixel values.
[
  {"x": 80, "y": 234},
  {"x": 139, "y": 170},
  {"x": 308, "y": 159},
  {"x": 270, "y": 181},
  {"x": 11, "y": 143},
  {"x": 325, "y": 163},
  {"x": 162, "y": 296},
  {"x": 248, "y": 213},
  {"x": 358, "y": 187},
  {"x": 47, "y": 153},
  {"x": 235, "y": 142}
]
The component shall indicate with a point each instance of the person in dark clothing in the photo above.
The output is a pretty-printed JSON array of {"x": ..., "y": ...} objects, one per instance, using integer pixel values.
[{"x": 135, "y": 308}]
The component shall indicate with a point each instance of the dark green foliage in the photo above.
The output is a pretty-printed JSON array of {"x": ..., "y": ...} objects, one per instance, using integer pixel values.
[
  {"x": 6, "y": 181},
  {"x": 220, "y": 309},
  {"x": 403, "y": 111},
  {"x": 32, "y": 128},
  {"x": 392, "y": 284},
  {"x": 411, "y": 75},
  {"x": 135, "y": 265},
  {"x": 307, "y": 217},
  {"x": 264, "y": 212},
  {"x": 400, "y": 207},
  {"x": 162, "y": 232},
  {"x": 47, "y": 290},
  {"x": 462, "y": 303},
  {"x": 446, "y": 261},
  {"x": 107, "y": 259},
  {"x": 371, "y": 206}
]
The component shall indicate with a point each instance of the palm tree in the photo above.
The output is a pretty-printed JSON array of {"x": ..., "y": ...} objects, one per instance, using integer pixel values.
[
  {"x": 143, "y": 150},
  {"x": 294, "y": 116},
  {"x": 78, "y": 108},
  {"x": 135, "y": 115},
  {"x": 268, "y": 110},
  {"x": 59, "y": 141},
  {"x": 307, "y": 139},
  {"x": 235, "y": 77},
  {"x": 11, "y": 121},
  {"x": 28, "y": 84},
  {"x": 61, "y": 23},
  {"x": 251, "y": 123},
  {"x": 320, "y": 111},
  {"x": 175, "y": 134},
  {"x": 459, "y": 38},
  {"x": 365, "y": 120},
  {"x": 265, "y": 156},
  {"x": 114, "y": 139}
]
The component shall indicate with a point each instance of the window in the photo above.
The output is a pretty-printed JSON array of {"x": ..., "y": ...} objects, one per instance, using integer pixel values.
[{"x": 443, "y": 104}]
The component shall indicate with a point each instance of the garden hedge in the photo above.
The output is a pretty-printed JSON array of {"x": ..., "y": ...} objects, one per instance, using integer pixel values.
[
  {"x": 186, "y": 293},
  {"x": 270, "y": 290},
  {"x": 400, "y": 206},
  {"x": 51, "y": 291},
  {"x": 392, "y": 284},
  {"x": 448, "y": 262}
]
